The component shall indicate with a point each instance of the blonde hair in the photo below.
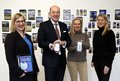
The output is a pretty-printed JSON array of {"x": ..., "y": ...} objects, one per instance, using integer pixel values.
[
  {"x": 72, "y": 31},
  {"x": 15, "y": 17},
  {"x": 106, "y": 28}
]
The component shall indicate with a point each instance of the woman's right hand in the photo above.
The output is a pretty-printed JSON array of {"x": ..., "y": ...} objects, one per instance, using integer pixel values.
[{"x": 22, "y": 75}]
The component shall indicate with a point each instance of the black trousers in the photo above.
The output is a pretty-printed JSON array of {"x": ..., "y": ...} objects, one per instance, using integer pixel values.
[
  {"x": 99, "y": 65},
  {"x": 54, "y": 73}
]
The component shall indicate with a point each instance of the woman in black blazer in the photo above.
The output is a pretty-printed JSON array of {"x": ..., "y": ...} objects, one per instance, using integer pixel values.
[{"x": 18, "y": 43}]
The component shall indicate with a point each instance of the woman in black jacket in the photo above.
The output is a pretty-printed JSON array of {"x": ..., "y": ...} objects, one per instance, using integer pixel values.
[
  {"x": 17, "y": 44},
  {"x": 104, "y": 48}
]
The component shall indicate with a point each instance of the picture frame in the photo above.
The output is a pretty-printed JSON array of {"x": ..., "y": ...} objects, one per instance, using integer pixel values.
[
  {"x": 81, "y": 12},
  {"x": 118, "y": 24},
  {"x": 114, "y": 24},
  {"x": 23, "y": 12},
  {"x": 85, "y": 12},
  {"x": 38, "y": 21},
  {"x": 108, "y": 17},
  {"x": 4, "y": 37},
  {"x": 66, "y": 14},
  {"x": 7, "y": 14},
  {"x": 77, "y": 12},
  {"x": 34, "y": 37},
  {"x": 31, "y": 14},
  {"x": 89, "y": 34},
  {"x": 93, "y": 15},
  {"x": 35, "y": 46},
  {"x": 33, "y": 25},
  {"x": 5, "y": 26},
  {"x": 117, "y": 14},
  {"x": 89, "y": 25},
  {"x": 109, "y": 24},
  {"x": 93, "y": 24},
  {"x": 117, "y": 35},
  {"x": 29, "y": 27},
  {"x": 103, "y": 11},
  {"x": 68, "y": 23},
  {"x": 39, "y": 12}
]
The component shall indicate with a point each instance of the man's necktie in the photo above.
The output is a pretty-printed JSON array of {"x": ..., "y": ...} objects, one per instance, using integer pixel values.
[{"x": 57, "y": 31}]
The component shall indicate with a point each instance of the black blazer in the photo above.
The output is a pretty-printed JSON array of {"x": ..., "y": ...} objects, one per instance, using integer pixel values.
[
  {"x": 14, "y": 46},
  {"x": 47, "y": 35}
]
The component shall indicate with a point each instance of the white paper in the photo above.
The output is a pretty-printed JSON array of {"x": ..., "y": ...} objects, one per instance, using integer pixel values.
[
  {"x": 79, "y": 46},
  {"x": 57, "y": 47}
]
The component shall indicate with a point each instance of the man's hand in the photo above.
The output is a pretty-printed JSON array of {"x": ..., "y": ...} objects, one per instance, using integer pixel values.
[{"x": 60, "y": 42}]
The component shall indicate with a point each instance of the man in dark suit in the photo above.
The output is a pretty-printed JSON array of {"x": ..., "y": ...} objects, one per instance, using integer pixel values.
[{"x": 53, "y": 42}]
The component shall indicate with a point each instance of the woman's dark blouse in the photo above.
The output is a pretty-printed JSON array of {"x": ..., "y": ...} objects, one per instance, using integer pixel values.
[{"x": 104, "y": 47}]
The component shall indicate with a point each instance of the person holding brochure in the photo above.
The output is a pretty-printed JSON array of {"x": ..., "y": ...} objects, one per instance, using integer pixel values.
[
  {"x": 19, "y": 52},
  {"x": 77, "y": 62},
  {"x": 104, "y": 49},
  {"x": 53, "y": 38}
]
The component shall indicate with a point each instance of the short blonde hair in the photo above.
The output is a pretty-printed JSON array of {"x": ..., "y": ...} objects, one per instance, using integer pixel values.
[
  {"x": 106, "y": 28},
  {"x": 72, "y": 31},
  {"x": 15, "y": 17}
]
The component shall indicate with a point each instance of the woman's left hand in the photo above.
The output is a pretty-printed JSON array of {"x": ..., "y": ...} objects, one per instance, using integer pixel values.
[{"x": 106, "y": 70}]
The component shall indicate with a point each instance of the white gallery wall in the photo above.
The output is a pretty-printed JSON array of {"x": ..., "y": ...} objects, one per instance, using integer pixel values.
[{"x": 44, "y": 5}]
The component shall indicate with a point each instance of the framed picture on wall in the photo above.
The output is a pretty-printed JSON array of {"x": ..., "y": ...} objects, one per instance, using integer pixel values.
[
  {"x": 118, "y": 42},
  {"x": 7, "y": 14},
  {"x": 29, "y": 27},
  {"x": 34, "y": 37},
  {"x": 81, "y": 12},
  {"x": 39, "y": 12},
  {"x": 102, "y": 11},
  {"x": 118, "y": 24},
  {"x": 89, "y": 25},
  {"x": 89, "y": 34},
  {"x": 117, "y": 35},
  {"x": 109, "y": 24},
  {"x": 108, "y": 17},
  {"x": 35, "y": 46},
  {"x": 24, "y": 12},
  {"x": 5, "y": 26},
  {"x": 114, "y": 24},
  {"x": 93, "y": 24},
  {"x": 85, "y": 12},
  {"x": 72, "y": 16},
  {"x": 38, "y": 21},
  {"x": 66, "y": 14},
  {"x": 68, "y": 23},
  {"x": 4, "y": 36},
  {"x": 33, "y": 25},
  {"x": 117, "y": 14},
  {"x": 31, "y": 14},
  {"x": 93, "y": 15},
  {"x": 77, "y": 12}
]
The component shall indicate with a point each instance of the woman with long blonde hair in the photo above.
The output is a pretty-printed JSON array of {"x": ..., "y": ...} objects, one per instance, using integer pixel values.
[
  {"x": 104, "y": 48},
  {"x": 77, "y": 62}
]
